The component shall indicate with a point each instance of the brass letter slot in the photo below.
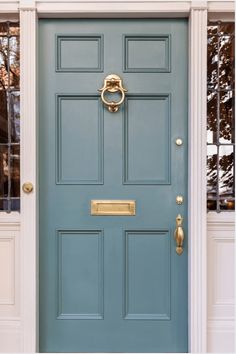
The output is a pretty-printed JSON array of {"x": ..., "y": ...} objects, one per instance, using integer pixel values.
[{"x": 113, "y": 207}]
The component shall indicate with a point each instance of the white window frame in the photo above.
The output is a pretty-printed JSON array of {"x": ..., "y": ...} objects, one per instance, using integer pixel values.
[{"x": 197, "y": 12}]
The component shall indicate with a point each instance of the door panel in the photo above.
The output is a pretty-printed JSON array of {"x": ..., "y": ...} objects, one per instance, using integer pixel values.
[{"x": 112, "y": 283}]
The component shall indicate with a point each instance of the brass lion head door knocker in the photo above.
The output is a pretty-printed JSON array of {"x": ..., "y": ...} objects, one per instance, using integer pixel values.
[{"x": 112, "y": 84}]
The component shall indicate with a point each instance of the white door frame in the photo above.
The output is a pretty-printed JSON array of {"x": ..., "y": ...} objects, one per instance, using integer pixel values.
[{"x": 197, "y": 12}]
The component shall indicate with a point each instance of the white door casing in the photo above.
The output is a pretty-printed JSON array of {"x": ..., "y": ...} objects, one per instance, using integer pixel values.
[{"x": 30, "y": 10}]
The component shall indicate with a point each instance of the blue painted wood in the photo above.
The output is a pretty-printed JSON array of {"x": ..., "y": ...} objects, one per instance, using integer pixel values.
[{"x": 112, "y": 283}]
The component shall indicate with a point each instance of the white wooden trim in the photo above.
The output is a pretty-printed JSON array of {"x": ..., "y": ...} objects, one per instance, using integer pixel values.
[
  {"x": 197, "y": 216},
  {"x": 197, "y": 181},
  {"x": 133, "y": 7},
  {"x": 28, "y": 173},
  {"x": 216, "y": 221},
  {"x": 10, "y": 218}
]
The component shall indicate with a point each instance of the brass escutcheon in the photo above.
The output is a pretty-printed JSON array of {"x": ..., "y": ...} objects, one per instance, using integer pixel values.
[{"x": 112, "y": 83}]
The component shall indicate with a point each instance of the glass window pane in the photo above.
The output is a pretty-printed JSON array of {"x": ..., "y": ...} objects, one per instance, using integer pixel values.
[
  {"x": 226, "y": 171},
  {"x": 3, "y": 117},
  {"x": 3, "y": 28},
  {"x": 226, "y": 117},
  {"x": 212, "y": 121},
  {"x": 220, "y": 117},
  {"x": 15, "y": 171},
  {"x": 226, "y": 58},
  {"x": 14, "y": 112},
  {"x": 212, "y": 171},
  {"x": 9, "y": 117},
  {"x": 227, "y": 204},
  {"x": 212, "y": 62},
  {"x": 4, "y": 171},
  {"x": 14, "y": 59},
  {"x": 14, "y": 29},
  {"x": 212, "y": 177},
  {"x": 225, "y": 28},
  {"x": 3, "y": 63},
  {"x": 212, "y": 30}
]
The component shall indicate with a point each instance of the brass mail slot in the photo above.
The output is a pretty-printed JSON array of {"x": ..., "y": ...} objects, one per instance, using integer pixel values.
[{"x": 113, "y": 207}]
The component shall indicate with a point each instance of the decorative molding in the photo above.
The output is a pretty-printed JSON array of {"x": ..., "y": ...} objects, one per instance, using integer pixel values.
[
  {"x": 9, "y": 220},
  {"x": 28, "y": 172},
  {"x": 8, "y": 7},
  {"x": 197, "y": 182},
  {"x": 221, "y": 336},
  {"x": 25, "y": 5},
  {"x": 164, "y": 288},
  {"x": 221, "y": 298},
  {"x": 7, "y": 271},
  {"x": 199, "y": 5},
  {"x": 221, "y": 6},
  {"x": 99, "y": 292},
  {"x": 166, "y": 39},
  {"x": 224, "y": 221},
  {"x": 10, "y": 272},
  {"x": 98, "y": 39},
  {"x": 154, "y": 8},
  {"x": 166, "y": 171},
  {"x": 11, "y": 335},
  {"x": 75, "y": 180}
]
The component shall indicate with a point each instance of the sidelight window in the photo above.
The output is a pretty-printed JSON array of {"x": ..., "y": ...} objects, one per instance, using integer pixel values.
[
  {"x": 9, "y": 117},
  {"x": 221, "y": 117}
]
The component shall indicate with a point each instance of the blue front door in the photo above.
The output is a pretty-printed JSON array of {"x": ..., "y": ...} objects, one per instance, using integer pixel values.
[{"x": 110, "y": 277}]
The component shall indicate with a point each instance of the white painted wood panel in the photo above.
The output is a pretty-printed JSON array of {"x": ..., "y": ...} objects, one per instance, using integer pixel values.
[
  {"x": 221, "y": 282},
  {"x": 10, "y": 325},
  {"x": 10, "y": 336},
  {"x": 7, "y": 274},
  {"x": 9, "y": 271}
]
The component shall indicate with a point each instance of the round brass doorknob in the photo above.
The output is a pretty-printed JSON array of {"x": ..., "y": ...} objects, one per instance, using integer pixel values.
[{"x": 27, "y": 187}]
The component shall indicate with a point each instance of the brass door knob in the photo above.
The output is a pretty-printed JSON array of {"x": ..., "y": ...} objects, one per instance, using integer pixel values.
[{"x": 27, "y": 187}]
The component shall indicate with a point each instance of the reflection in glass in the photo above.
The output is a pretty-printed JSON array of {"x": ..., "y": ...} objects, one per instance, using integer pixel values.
[
  {"x": 212, "y": 172},
  {"x": 3, "y": 117},
  {"x": 14, "y": 58},
  {"x": 225, "y": 28},
  {"x": 227, "y": 134},
  {"x": 212, "y": 117},
  {"x": 14, "y": 111},
  {"x": 212, "y": 62},
  {"x": 226, "y": 58},
  {"x": 226, "y": 165},
  {"x": 220, "y": 117},
  {"x": 9, "y": 117},
  {"x": 4, "y": 171}
]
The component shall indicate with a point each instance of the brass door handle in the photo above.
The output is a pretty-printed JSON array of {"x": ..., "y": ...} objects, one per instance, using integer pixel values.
[
  {"x": 112, "y": 84},
  {"x": 179, "y": 235}
]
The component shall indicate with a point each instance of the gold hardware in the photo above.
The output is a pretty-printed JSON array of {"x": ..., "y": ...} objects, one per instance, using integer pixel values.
[
  {"x": 112, "y": 83},
  {"x": 179, "y": 141},
  {"x": 113, "y": 207},
  {"x": 179, "y": 199},
  {"x": 179, "y": 235},
  {"x": 27, "y": 187}
]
